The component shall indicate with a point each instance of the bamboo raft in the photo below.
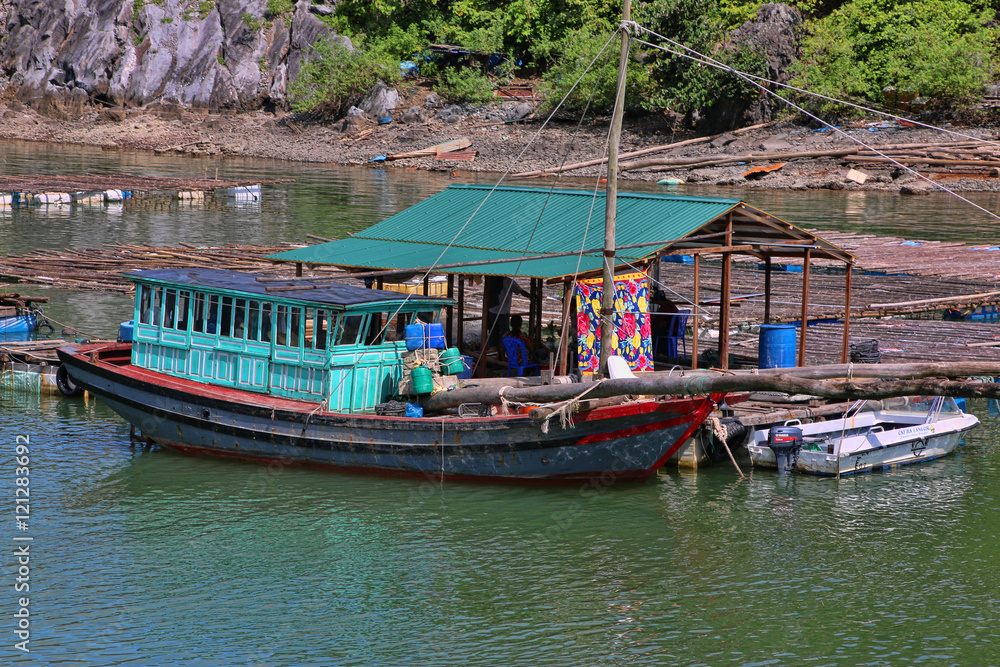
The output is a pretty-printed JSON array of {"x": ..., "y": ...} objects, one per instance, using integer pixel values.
[
  {"x": 39, "y": 183},
  {"x": 101, "y": 268}
]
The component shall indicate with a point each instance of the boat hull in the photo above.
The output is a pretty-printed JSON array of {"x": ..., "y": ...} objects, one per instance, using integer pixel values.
[
  {"x": 607, "y": 444},
  {"x": 916, "y": 444}
]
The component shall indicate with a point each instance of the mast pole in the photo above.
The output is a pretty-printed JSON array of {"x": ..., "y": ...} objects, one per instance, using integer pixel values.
[{"x": 608, "y": 295}]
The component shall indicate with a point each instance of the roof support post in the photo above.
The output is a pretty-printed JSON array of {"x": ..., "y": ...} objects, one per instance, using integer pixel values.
[
  {"x": 461, "y": 311},
  {"x": 724, "y": 303},
  {"x": 562, "y": 353},
  {"x": 427, "y": 284},
  {"x": 450, "y": 310},
  {"x": 805, "y": 308},
  {"x": 695, "y": 311},
  {"x": 608, "y": 296},
  {"x": 767, "y": 290},
  {"x": 847, "y": 313},
  {"x": 298, "y": 269},
  {"x": 484, "y": 331}
]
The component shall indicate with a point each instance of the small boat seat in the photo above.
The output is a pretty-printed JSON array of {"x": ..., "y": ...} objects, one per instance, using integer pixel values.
[{"x": 618, "y": 368}]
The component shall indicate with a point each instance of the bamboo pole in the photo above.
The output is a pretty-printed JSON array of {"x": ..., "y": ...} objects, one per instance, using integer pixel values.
[
  {"x": 847, "y": 313},
  {"x": 805, "y": 309},
  {"x": 606, "y": 325},
  {"x": 697, "y": 307}
]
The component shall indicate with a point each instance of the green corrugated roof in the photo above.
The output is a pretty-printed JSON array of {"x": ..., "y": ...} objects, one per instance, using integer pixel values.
[{"x": 511, "y": 223}]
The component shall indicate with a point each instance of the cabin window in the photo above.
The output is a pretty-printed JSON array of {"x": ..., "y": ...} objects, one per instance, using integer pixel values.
[
  {"x": 253, "y": 320},
  {"x": 295, "y": 328},
  {"x": 316, "y": 328},
  {"x": 348, "y": 328},
  {"x": 240, "y": 319},
  {"x": 375, "y": 333},
  {"x": 169, "y": 305},
  {"x": 199, "y": 313},
  {"x": 226, "y": 317},
  {"x": 428, "y": 315},
  {"x": 183, "y": 303},
  {"x": 157, "y": 306},
  {"x": 145, "y": 296},
  {"x": 281, "y": 327},
  {"x": 212, "y": 322},
  {"x": 321, "y": 329},
  {"x": 265, "y": 323}
]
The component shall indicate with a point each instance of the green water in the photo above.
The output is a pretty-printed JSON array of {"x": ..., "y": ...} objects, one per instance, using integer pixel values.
[{"x": 145, "y": 557}]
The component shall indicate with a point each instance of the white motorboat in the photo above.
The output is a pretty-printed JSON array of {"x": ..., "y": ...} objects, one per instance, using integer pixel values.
[{"x": 911, "y": 429}]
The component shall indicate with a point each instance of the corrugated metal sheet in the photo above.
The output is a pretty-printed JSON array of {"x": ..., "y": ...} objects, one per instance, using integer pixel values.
[
  {"x": 377, "y": 255},
  {"x": 515, "y": 221},
  {"x": 508, "y": 218}
]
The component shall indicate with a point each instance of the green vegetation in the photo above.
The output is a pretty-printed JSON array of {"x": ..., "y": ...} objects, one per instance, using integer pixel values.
[
  {"x": 252, "y": 22},
  {"x": 941, "y": 49},
  {"x": 465, "y": 85},
  {"x": 277, "y": 8},
  {"x": 205, "y": 8},
  {"x": 335, "y": 76}
]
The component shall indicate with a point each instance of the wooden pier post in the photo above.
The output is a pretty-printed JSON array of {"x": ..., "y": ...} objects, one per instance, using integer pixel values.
[
  {"x": 767, "y": 290},
  {"x": 847, "y": 313},
  {"x": 805, "y": 308},
  {"x": 724, "y": 303},
  {"x": 450, "y": 310},
  {"x": 695, "y": 310},
  {"x": 461, "y": 310},
  {"x": 484, "y": 329}
]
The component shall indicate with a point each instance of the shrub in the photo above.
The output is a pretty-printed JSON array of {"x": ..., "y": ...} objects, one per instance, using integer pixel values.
[
  {"x": 336, "y": 76},
  {"x": 939, "y": 48},
  {"x": 465, "y": 85},
  {"x": 575, "y": 52}
]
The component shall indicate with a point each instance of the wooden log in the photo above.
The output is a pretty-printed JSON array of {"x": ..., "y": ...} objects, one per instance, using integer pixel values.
[
  {"x": 923, "y": 302},
  {"x": 694, "y": 385},
  {"x": 923, "y": 160},
  {"x": 730, "y": 159},
  {"x": 639, "y": 153},
  {"x": 916, "y": 379}
]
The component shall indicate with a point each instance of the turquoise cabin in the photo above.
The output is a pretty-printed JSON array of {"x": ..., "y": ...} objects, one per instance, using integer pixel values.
[{"x": 310, "y": 340}]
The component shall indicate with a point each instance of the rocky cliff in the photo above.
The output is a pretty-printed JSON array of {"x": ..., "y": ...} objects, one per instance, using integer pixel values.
[{"x": 58, "y": 55}]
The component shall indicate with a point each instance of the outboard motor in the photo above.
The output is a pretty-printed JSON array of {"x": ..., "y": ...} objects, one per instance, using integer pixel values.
[{"x": 785, "y": 442}]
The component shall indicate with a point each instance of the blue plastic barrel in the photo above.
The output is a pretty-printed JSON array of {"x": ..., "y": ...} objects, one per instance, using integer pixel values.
[
  {"x": 126, "y": 331},
  {"x": 414, "y": 335},
  {"x": 435, "y": 335},
  {"x": 776, "y": 348}
]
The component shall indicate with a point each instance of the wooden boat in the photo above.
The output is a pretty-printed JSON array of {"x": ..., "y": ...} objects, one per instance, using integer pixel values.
[
  {"x": 912, "y": 429},
  {"x": 220, "y": 366}
]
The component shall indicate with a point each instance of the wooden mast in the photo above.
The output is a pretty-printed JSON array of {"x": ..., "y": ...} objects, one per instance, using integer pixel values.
[{"x": 608, "y": 295}]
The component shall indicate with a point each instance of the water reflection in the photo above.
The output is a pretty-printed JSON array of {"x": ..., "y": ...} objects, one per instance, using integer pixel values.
[{"x": 150, "y": 557}]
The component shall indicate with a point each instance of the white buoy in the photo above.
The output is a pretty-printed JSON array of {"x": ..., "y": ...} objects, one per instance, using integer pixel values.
[
  {"x": 245, "y": 192},
  {"x": 46, "y": 198},
  {"x": 117, "y": 195}
]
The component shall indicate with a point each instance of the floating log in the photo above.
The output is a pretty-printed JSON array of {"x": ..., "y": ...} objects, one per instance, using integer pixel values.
[
  {"x": 639, "y": 153},
  {"x": 918, "y": 381}
]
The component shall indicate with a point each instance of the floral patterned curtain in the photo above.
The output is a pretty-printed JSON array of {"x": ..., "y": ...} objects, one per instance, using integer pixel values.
[{"x": 631, "y": 338}]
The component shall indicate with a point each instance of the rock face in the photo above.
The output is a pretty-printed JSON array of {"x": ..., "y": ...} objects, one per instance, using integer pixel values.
[
  {"x": 221, "y": 54},
  {"x": 775, "y": 33}
]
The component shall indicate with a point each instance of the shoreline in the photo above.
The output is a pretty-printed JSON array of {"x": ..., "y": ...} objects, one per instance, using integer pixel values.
[{"x": 260, "y": 134}]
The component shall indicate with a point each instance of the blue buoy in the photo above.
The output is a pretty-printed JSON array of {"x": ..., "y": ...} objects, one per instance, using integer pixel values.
[{"x": 776, "y": 347}]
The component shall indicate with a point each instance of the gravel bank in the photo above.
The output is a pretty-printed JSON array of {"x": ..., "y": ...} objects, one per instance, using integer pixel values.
[{"x": 170, "y": 128}]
